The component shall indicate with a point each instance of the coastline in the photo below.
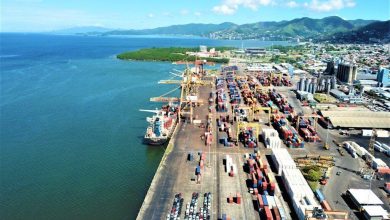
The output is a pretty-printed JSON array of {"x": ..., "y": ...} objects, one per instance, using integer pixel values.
[{"x": 149, "y": 194}]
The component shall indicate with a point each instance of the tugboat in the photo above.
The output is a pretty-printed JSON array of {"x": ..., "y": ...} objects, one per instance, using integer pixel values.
[{"x": 161, "y": 125}]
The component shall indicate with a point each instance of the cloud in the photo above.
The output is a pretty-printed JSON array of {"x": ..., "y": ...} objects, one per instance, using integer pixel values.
[
  {"x": 197, "y": 13},
  {"x": 229, "y": 7},
  {"x": 151, "y": 15},
  {"x": 292, "y": 4},
  {"x": 184, "y": 12},
  {"x": 225, "y": 9},
  {"x": 167, "y": 13},
  {"x": 329, "y": 5}
]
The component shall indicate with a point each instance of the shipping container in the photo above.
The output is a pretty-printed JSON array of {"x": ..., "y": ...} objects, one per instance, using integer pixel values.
[
  {"x": 265, "y": 201},
  {"x": 260, "y": 201},
  {"x": 325, "y": 205},
  {"x": 267, "y": 213},
  {"x": 276, "y": 213},
  {"x": 197, "y": 170},
  {"x": 319, "y": 195}
]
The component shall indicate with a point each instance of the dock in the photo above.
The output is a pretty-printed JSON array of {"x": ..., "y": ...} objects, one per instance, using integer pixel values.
[
  {"x": 189, "y": 165},
  {"x": 176, "y": 174}
]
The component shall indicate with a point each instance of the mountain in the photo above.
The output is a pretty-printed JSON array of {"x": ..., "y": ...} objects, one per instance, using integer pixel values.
[
  {"x": 270, "y": 30},
  {"x": 327, "y": 29},
  {"x": 303, "y": 27},
  {"x": 374, "y": 32},
  {"x": 186, "y": 29},
  {"x": 361, "y": 22},
  {"x": 82, "y": 30}
]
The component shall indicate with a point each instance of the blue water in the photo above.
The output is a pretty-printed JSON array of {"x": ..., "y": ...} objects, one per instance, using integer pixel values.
[{"x": 70, "y": 127}]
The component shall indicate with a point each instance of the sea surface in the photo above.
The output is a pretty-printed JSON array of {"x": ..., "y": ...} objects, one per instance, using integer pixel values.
[{"x": 70, "y": 129}]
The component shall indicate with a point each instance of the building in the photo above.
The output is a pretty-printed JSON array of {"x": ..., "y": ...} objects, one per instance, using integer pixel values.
[
  {"x": 203, "y": 49},
  {"x": 341, "y": 96},
  {"x": 346, "y": 73},
  {"x": 375, "y": 212},
  {"x": 383, "y": 77},
  {"x": 330, "y": 70},
  {"x": 364, "y": 197},
  {"x": 255, "y": 51}
]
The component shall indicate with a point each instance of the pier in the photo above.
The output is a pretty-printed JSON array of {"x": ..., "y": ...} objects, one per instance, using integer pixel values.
[{"x": 176, "y": 174}]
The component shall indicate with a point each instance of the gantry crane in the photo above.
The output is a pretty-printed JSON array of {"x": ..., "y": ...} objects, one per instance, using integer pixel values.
[
  {"x": 255, "y": 108},
  {"x": 243, "y": 124},
  {"x": 307, "y": 116},
  {"x": 259, "y": 108},
  {"x": 189, "y": 85}
]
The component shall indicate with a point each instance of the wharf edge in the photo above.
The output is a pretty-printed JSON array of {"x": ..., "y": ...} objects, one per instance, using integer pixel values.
[{"x": 156, "y": 177}]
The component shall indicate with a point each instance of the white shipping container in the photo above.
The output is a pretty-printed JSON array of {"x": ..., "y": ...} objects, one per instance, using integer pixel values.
[
  {"x": 382, "y": 133},
  {"x": 366, "y": 133},
  {"x": 376, "y": 163},
  {"x": 271, "y": 201},
  {"x": 234, "y": 169},
  {"x": 228, "y": 168},
  {"x": 282, "y": 160}
]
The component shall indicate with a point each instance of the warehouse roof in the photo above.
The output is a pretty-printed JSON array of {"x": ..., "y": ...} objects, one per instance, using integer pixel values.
[
  {"x": 365, "y": 197},
  {"x": 376, "y": 210},
  {"x": 358, "y": 119}
]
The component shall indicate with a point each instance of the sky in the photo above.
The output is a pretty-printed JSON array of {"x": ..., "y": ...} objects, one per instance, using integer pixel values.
[{"x": 48, "y": 15}]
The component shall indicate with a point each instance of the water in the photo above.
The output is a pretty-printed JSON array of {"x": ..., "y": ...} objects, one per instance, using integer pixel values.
[{"x": 71, "y": 131}]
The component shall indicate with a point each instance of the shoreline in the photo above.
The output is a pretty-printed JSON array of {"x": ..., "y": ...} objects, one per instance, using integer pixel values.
[{"x": 149, "y": 194}]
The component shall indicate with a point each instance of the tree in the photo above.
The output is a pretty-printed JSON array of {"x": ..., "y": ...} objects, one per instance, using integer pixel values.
[{"x": 313, "y": 175}]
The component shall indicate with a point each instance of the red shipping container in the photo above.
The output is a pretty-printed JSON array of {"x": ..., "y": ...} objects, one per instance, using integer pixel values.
[
  {"x": 259, "y": 174},
  {"x": 238, "y": 196},
  {"x": 203, "y": 157},
  {"x": 255, "y": 191},
  {"x": 276, "y": 213},
  {"x": 265, "y": 164},
  {"x": 325, "y": 205},
  {"x": 268, "y": 213},
  {"x": 272, "y": 186},
  {"x": 266, "y": 172},
  {"x": 260, "y": 201}
]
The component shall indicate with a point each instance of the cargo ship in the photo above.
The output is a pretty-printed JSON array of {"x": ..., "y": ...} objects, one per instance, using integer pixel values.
[{"x": 161, "y": 125}]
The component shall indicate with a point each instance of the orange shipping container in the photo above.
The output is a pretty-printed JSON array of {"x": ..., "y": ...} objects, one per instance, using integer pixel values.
[
  {"x": 383, "y": 170},
  {"x": 325, "y": 205},
  {"x": 238, "y": 198}
]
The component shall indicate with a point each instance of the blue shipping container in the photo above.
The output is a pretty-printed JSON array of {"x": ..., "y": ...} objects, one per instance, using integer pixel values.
[
  {"x": 319, "y": 195},
  {"x": 265, "y": 201},
  {"x": 197, "y": 169}
]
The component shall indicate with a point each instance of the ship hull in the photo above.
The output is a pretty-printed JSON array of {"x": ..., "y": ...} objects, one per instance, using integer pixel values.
[{"x": 155, "y": 141}]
